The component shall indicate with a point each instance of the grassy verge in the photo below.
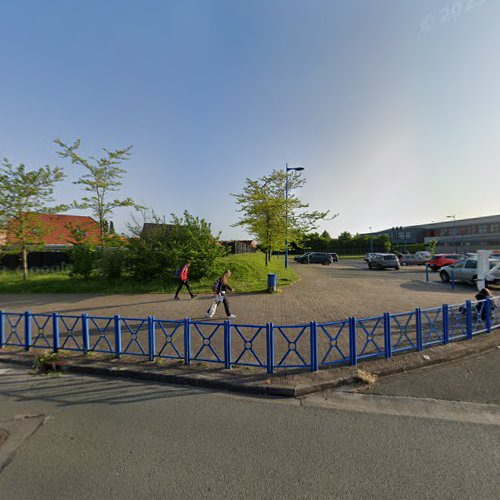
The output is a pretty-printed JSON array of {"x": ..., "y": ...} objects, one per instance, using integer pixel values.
[{"x": 249, "y": 275}]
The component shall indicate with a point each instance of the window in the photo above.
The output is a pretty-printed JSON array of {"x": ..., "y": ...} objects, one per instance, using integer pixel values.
[
  {"x": 482, "y": 229},
  {"x": 494, "y": 228},
  {"x": 459, "y": 264},
  {"x": 471, "y": 264}
]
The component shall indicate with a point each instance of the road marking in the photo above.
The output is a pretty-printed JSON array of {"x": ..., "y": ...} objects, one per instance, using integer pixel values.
[{"x": 407, "y": 406}]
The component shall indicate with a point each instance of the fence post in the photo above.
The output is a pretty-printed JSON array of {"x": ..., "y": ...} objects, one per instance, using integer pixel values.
[
  {"x": 387, "y": 335},
  {"x": 2, "y": 330},
  {"x": 227, "y": 344},
  {"x": 446, "y": 323},
  {"x": 151, "y": 338},
  {"x": 85, "y": 333},
  {"x": 427, "y": 272},
  {"x": 313, "y": 330},
  {"x": 118, "y": 336},
  {"x": 353, "y": 355},
  {"x": 55, "y": 332},
  {"x": 187, "y": 341},
  {"x": 487, "y": 311},
  {"x": 468, "y": 319},
  {"x": 270, "y": 347},
  {"x": 27, "y": 330},
  {"x": 418, "y": 324}
]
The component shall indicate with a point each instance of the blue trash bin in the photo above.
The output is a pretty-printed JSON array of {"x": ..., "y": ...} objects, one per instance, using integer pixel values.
[{"x": 272, "y": 282}]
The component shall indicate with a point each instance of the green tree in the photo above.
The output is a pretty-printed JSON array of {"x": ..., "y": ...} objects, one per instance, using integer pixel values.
[
  {"x": 264, "y": 211},
  {"x": 102, "y": 178},
  {"x": 159, "y": 247},
  {"x": 23, "y": 195}
]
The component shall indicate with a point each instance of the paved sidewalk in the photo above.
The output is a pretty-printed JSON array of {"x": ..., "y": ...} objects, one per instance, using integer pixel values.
[{"x": 324, "y": 293}]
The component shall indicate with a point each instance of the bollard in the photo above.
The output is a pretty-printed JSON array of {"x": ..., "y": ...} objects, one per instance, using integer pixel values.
[{"x": 427, "y": 272}]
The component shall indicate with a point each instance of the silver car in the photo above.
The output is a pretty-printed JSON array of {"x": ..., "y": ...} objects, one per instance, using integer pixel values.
[{"x": 466, "y": 270}]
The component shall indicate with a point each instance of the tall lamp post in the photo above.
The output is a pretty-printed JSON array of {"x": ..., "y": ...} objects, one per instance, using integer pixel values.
[
  {"x": 287, "y": 169},
  {"x": 454, "y": 217}
]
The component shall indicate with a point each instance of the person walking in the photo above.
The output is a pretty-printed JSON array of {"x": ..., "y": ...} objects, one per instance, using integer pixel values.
[
  {"x": 183, "y": 280},
  {"x": 221, "y": 287}
]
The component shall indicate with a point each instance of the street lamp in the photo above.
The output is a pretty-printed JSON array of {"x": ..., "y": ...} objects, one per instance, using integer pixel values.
[
  {"x": 287, "y": 169},
  {"x": 454, "y": 217}
]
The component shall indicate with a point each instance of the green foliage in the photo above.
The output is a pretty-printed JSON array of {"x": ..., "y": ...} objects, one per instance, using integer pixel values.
[
  {"x": 164, "y": 247},
  {"x": 266, "y": 213},
  {"x": 249, "y": 274},
  {"x": 102, "y": 178},
  {"x": 23, "y": 195},
  {"x": 45, "y": 362},
  {"x": 346, "y": 243},
  {"x": 83, "y": 259},
  {"x": 112, "y": 262}
]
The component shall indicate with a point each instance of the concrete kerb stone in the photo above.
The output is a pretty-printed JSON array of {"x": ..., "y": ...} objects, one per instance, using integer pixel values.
[{"x": 285, "y": 384}]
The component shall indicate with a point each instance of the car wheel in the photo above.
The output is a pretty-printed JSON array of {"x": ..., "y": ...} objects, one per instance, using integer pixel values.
[
  {"x": 474, "y": 280},
  {"x": 404, "y": 263},
  {"x": 433, "y": 268},
  {"x": 445, "y": 277},
  {"x": 369, "y": 266},
  {"x": 397, "y": 268}
]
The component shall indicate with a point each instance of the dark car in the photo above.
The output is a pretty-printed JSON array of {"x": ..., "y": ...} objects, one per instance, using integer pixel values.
[
  {"x": 315, "y": 258},
  {"x": 384, "y": 261}
]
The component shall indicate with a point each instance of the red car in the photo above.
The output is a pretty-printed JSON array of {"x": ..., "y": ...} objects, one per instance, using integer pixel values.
[{"x": 443, "y": 259}]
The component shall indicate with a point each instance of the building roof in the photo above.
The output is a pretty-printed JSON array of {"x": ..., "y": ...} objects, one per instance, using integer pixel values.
[
  {"x": 487, "y": 219},
  {"x": 57, "y": 228}
]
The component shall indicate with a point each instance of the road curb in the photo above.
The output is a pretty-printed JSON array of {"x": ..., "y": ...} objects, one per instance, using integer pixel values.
[{"x": 284, "y": 384}]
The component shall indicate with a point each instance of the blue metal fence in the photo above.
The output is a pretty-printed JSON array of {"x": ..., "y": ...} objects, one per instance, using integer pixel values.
[{"x": 310, "y": 346}]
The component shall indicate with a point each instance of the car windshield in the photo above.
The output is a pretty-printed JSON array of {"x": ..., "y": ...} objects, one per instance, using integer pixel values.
[{"x": 389, "y": 257}]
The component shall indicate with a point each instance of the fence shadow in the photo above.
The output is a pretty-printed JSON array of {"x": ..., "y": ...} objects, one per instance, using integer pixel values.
[{"x": 70, "y": 390}]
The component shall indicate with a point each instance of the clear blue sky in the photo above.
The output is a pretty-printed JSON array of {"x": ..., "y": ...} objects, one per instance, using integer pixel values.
[{"x": 393, "y": 106}]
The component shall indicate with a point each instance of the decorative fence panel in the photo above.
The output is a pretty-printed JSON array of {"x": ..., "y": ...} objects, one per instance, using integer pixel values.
[{"x": 308, "y": 346}]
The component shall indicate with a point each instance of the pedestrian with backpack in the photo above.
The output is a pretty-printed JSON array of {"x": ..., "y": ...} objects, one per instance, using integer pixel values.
[
  {"x": 182, "y": 275},
  {"x": 220, "y": 287}
]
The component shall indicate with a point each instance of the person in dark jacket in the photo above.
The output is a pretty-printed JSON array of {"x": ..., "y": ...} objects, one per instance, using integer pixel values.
[
  {"x": 483, "y": 295},
  {"x": 220, "y": 296},
  {"x": 183, "y": 281}
]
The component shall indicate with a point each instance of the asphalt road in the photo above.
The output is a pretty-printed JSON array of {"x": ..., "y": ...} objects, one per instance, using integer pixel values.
[
  {"x": 475, "y": 379},
  {"x": 118, "y": 439}
]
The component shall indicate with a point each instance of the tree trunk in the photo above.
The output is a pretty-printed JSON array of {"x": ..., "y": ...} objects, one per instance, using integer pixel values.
[
  {"x": 25, "y": 264},
  {"x": 266, "y": 258}
]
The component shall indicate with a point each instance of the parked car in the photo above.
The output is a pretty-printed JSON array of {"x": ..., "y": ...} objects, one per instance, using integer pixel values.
[
  {"x": 413, "y": 260},
  {"x": 443, "y": 259},
  {"x": 384, "y": 261},
  {"x": 335, "y": 257},
  {"x": 300, "y": 258},
  {"x": 315, "y": 258},
  {"x": 466, "y": 270},
  {"x": 368, "y": 256}
]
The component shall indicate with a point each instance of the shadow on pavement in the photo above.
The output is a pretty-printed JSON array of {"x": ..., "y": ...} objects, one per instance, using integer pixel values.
[{"x": 69, "y": 390}]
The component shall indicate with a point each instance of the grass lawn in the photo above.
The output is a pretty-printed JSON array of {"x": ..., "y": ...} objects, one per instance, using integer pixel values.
[{"x": 249, "y": 275}]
